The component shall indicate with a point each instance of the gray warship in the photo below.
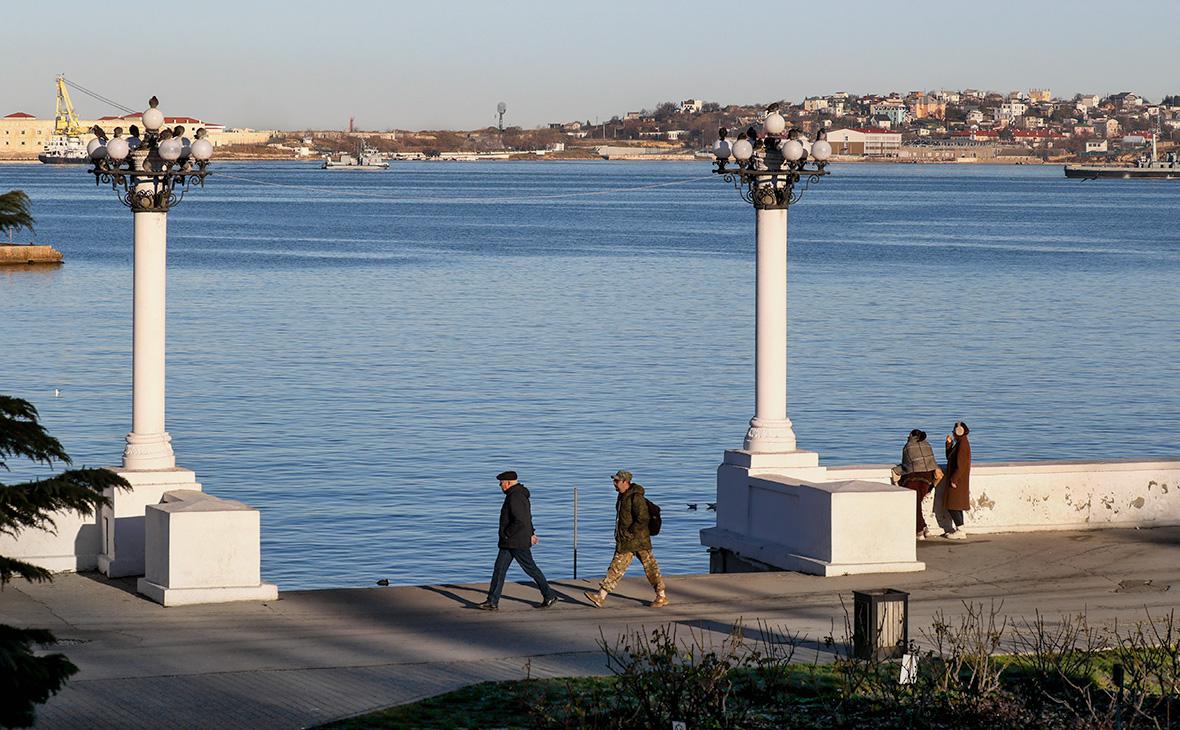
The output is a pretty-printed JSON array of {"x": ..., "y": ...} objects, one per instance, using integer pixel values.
[{"x": 1149, "y": 166}]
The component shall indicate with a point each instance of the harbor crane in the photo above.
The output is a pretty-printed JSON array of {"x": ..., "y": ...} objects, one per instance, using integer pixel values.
[{"x": 65, "y": 119}]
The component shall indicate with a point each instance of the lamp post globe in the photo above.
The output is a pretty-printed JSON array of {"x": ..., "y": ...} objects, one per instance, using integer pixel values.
[
  {"x": 170, "y": 149},
  {"x": 117, "y": 149},
  {"x": 792, "y": 150},
  {"x": 774, "y": 123},
  {"x": 153, "y": 119},
  {"x": 202, "y": 149}
]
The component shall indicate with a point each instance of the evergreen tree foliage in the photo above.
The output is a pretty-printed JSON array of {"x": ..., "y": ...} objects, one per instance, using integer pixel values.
[
  {"x": 14, "y": 213},
  {"x": 29, "y": 680}
]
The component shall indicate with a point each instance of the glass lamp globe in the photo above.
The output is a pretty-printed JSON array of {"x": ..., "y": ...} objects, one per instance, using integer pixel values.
[
  {"x": 721, "y": 149},
  {"x": 792, "y": 150},
  {"x": 821, "y": 150},
  {"x": 774, "y": 123},
  {"x": 742, "y": 150},
  {"x": 96, "y": 149},
  {"x": 117, "y": 148},
  {"x": 202, "y": 149},
  {"x": 170, "y": 149},
  {"x": 153, "y": 119}
]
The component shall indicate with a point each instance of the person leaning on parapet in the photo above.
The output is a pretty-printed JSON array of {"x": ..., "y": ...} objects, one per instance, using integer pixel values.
[
  {"x": 919, "y": 472},
  {"x": 517, "y": 538},
  {"x": 958, "y": 479},
  {"x": 632, "y": 537}
]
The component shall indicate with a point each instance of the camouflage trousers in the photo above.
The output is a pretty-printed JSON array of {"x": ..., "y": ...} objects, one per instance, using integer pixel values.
[{"x": 618, "y": 566}]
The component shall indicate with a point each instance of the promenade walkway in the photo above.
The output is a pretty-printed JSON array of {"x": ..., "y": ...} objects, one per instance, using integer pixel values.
[{"x": 314, "y": 656}]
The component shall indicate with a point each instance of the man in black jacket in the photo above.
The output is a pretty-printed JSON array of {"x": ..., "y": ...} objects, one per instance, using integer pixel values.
[{"x": 516, "y": 543}]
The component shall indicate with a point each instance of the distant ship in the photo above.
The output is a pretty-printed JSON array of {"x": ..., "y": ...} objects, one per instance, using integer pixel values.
[
  {"x": 366, "y": 159},
  {"x": 1146, "y": 166},
  {"x": 63, "y": 150},
  {"x": 65, "y": 147}
]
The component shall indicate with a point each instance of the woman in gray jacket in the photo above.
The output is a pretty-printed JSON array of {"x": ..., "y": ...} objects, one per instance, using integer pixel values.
[{"x": 917, "y": 472}]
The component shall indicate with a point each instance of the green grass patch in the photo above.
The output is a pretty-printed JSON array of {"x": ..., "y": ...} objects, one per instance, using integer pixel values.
[{"x": 479, "y": 706}]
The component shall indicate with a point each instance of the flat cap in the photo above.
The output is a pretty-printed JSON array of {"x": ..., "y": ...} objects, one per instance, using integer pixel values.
[{"x": 506, "y": 476}]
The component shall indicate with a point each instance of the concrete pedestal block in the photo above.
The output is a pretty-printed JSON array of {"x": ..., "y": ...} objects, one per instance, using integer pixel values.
[
  {"x": 202, "y": 549},
  {"x": 121, "y": 525},
  {"x": 822, "y": 528}
]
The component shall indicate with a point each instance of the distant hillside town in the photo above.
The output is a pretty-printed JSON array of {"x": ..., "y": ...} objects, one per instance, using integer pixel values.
[
  {"x": 967, "y": 125},
  {"x": 942, "y": 126}
]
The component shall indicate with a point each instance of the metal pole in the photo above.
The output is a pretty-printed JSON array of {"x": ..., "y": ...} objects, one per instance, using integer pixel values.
[{"x": 575, "y": 533}]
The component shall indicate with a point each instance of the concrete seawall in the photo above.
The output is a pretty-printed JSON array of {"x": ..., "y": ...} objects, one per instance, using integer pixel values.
[{"x": 21, "y": 254}]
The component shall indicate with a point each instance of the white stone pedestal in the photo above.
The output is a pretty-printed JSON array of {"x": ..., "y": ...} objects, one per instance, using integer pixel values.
[
  {"x": 202, "y": 549},
  {"x": 780, "y": 511},
  {"x": 121, "y": 525}
]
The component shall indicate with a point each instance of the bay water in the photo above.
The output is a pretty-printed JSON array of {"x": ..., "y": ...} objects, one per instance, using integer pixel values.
[{"x": 357, "y": 354}]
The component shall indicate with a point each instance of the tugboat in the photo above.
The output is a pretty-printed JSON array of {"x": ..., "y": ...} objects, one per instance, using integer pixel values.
[
  {"x": 1146, "y": 166},
  {"x": 65, "y": 147},
  {"x": 367, "y": 158}
]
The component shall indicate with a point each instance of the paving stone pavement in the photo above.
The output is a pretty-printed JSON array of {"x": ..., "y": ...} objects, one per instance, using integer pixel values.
[{"x": 314, "y": 656}]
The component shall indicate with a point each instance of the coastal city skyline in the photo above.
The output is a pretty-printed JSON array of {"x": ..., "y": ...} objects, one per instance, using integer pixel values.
[{"x": 447, "y": 68}]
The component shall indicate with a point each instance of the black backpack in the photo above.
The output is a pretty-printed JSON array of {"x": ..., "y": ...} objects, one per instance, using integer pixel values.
[{"x": 654, "y": 521}]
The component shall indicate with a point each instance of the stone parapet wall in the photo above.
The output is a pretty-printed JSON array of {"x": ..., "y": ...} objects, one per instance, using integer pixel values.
[{"x": 1059, "y": 495}]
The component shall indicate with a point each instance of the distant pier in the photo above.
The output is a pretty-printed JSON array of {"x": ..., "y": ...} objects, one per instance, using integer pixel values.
[{"x": 21, "y": 254}]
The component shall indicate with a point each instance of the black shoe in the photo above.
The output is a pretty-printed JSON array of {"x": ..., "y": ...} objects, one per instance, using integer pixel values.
[
  {"x": 488, "y": 606},
  {"x": 548, "y": 602}
]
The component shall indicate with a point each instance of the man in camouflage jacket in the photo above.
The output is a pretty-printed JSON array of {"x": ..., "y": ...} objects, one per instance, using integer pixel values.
[{"x": 632, "y": 538}]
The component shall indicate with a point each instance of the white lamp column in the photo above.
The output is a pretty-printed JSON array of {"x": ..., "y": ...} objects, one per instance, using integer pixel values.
[
  {"x": 149, "y": 446},
  {"x": 770, "y": 429}
]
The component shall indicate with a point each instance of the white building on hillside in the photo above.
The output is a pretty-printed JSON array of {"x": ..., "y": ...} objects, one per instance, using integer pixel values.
[{"x": 866, "y": 142}]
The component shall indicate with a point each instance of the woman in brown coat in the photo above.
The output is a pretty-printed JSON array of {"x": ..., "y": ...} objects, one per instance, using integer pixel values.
[{"x": 958, "y": 479}]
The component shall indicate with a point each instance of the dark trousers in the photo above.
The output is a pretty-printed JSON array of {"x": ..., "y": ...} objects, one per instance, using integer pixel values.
[
  {"x": 523, "y": 558},
  {"x": 920, "y": 482},
  {"x": 956, "y": 516}
]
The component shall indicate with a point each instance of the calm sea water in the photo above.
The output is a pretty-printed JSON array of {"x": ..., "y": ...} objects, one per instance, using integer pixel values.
[{"x": 358, "y": 354}]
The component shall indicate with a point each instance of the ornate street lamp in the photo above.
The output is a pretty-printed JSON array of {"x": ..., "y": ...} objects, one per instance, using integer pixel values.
[
  {"x": 150, "y": 174},
  {"x": 768, "y": 170},
  {"x": 154, "y": 172}
]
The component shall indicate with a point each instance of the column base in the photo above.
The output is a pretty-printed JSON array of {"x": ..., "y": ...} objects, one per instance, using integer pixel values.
[
  {"x": 121, "y": 524},
  {"x": 192, "y": 596},
  {"x": 149, "y": 452},
  {"x": 770, "y": 437}
]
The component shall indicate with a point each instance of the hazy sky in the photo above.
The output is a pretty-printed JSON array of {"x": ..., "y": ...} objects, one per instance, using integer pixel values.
[{"x": 446, "y": 64}]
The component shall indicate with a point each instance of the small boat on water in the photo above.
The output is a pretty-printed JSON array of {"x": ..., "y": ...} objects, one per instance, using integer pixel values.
[
  {"x": 366, "y": 158},
  {"x": 1146, "y": 166}
]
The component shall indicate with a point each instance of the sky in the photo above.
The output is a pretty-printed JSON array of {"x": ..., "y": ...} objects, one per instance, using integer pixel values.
[{"x": 445, "y": 65}]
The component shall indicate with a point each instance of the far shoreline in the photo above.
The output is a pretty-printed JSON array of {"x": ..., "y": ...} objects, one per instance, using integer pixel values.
[{"x": 654, "y": 158}]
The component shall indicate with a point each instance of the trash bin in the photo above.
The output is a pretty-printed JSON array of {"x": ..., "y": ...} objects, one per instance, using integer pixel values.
[{"x": 880, "y": 623}]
